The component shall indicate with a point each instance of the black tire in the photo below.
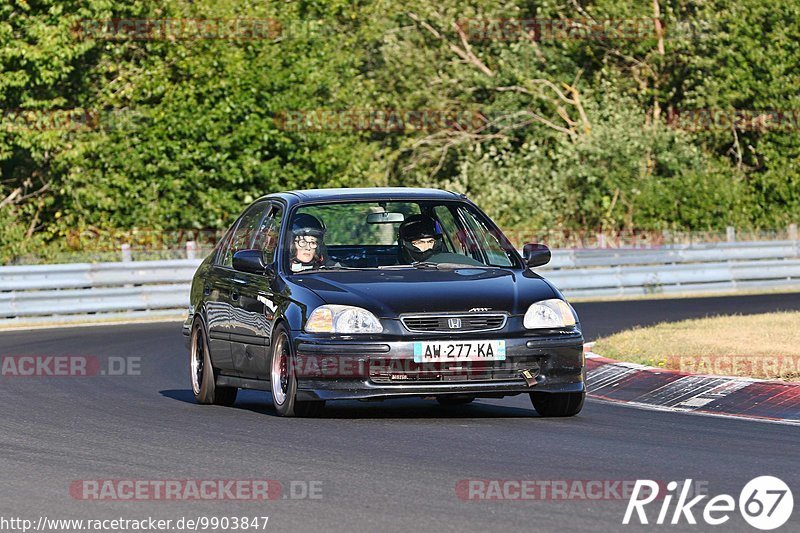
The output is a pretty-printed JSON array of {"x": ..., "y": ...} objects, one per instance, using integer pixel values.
[
  {"x": 283, "y": 379},
  {"x": 455, "y": 400},
  {"x": 557, "y": 403},
  {"x": 202, "y": 375}
]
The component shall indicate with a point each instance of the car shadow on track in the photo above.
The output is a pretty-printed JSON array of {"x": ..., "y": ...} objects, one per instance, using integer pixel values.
[{"x": 260, "y": 402}]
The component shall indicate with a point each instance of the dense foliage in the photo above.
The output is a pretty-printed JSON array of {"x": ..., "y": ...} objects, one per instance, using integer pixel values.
[{"x": 108, "y": 128}]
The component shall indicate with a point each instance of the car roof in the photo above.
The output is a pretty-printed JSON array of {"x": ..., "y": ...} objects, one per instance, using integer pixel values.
[{"x": 366, "y": 193}]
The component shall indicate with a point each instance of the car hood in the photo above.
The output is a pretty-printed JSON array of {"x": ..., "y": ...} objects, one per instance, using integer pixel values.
[{"x": 389, "y": 293}]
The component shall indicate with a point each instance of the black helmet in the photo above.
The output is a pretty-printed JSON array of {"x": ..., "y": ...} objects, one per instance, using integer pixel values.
[
  {"x": 305, "y": 224},
  {"x": 419, "y": 227}
]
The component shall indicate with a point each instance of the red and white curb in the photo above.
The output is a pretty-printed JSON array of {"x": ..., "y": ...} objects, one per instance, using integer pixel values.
[{"x": 672, "y": 390}]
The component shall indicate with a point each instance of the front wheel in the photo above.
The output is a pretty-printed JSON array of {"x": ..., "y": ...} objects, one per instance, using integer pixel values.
[
  {"x": 283, "y": 380},
  {"x": 557, "y": 403},
  {"x": 204, "y": 383}
]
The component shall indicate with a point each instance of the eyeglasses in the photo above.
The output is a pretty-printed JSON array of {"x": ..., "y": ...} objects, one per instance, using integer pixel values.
[
  {"x": 302, "y": 242},
  {"x": 423, "y": 241}
]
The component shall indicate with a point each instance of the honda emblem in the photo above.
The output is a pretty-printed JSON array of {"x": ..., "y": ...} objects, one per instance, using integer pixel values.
[{"x": 454, "y": 323}]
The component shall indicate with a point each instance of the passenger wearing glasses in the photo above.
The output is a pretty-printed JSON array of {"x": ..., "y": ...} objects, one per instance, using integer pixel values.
[{"x": 307, "y": 250}]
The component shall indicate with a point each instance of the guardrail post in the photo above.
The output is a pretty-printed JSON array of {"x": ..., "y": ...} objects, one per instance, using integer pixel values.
[
  {"x": 666, "y": 237},
  {"x": 191, "y": 249},
  {"x": 731, "y": 234},
  {"x": 126, "y": 253},
  {"x": 792, "y": 232}
]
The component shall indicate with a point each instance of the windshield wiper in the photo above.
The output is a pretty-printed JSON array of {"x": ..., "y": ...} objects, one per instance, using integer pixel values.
[
  {"x": 336, "y": 267},
  {"x": 422, "y": 265},
  {"x": 425, "y": 265},
  {"x": 428, "y": 265},
  {"x": 460, "y": 265},
  {"x": 394, "y": 267}
]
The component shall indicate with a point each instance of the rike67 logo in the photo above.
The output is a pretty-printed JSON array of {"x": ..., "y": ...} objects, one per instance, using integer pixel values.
[{"x": 765, "y": 503}]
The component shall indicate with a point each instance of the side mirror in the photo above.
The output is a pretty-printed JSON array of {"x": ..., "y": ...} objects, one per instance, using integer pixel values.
[
  {"x": 251, "y": 261},
  {"x": 536, "y": 254}
]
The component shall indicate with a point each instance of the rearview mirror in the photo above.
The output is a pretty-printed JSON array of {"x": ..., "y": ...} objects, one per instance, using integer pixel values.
[
  {"x": 251, "y": 261},
  {"x": 385, "y": 218},
  {"x": 536, "y": 254}
]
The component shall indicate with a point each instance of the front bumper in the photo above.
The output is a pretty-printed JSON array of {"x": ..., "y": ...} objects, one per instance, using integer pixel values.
[{"x": 337, "y": 369}]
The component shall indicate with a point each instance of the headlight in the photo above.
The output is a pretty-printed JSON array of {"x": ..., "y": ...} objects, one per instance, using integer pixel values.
[
  {"x": 553, "y": 313},
  {"x": 342, "y": 319}
]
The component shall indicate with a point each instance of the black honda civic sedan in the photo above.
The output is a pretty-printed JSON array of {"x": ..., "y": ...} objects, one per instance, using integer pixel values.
[{"x": 379, "y": 293}]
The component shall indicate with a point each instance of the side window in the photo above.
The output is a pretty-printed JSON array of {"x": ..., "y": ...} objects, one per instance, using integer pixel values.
[
  {"x": 495, "y": 254},
  {"x": 242, "y": 236},
  {"x": 268, "y": 234},
  {"x": 224, "y": 245},
  {"x": 450, "y": 229}
]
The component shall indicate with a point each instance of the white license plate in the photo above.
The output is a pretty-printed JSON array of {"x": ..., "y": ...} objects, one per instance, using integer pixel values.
[{"x": 447, "y": 351}]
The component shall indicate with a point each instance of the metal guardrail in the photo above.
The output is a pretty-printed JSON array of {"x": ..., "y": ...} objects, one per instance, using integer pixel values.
[
  {"x": 695, "y": 253},
  {"x": 141, "y": 288},
  {"x": 41, "y": 292},
  {"x": 675, "y": 269}
]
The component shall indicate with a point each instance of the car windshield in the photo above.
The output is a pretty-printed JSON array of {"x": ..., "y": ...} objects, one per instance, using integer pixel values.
[{"x": 394, "y": 235}]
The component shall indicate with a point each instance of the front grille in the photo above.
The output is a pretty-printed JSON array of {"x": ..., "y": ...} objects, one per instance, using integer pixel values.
[
  {"x": 407, "y": 371},
  {"x": 454, "y": 323}
]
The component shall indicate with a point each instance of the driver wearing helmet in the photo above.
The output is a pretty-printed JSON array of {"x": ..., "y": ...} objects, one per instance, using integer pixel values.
[
  {"x": 420, "y": 239},
  {"x": 307, "y": 249}
]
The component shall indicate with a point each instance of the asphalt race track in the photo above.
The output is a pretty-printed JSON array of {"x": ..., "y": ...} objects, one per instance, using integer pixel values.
[
  {"x": 604, "y": 318},
  {"x": 390, "y": 466}
]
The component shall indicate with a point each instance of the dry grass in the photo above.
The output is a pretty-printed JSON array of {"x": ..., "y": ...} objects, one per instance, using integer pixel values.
[{"x": 760, "y": 346}]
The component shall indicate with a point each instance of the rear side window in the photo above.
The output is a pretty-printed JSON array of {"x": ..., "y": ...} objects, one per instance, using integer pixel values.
[
  {"x": 224, "y": 245},
  {"x": 242, "y": 237},
  {"x": 268, "y": 233}
]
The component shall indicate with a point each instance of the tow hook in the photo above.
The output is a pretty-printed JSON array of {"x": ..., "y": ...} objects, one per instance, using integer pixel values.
[{"x": 530, "y": 376}]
